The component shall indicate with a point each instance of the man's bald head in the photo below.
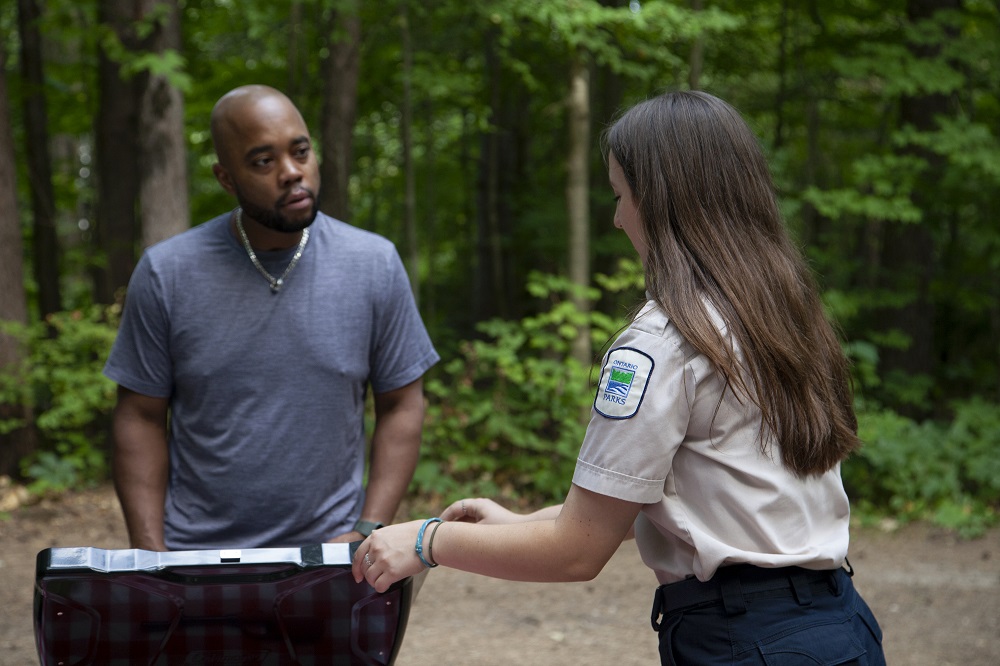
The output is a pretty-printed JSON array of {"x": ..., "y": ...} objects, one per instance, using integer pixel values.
[{"x": 237, "y": 110}]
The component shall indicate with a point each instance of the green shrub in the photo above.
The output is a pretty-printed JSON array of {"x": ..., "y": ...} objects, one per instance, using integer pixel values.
[
  {"x": 61, "y": 383},
  {"x": 508, "y": 413},
  {"x": 507, "y": 416},
  {"x": 948, "y": 473}
]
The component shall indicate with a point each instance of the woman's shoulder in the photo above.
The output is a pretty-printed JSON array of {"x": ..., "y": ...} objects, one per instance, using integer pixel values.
[
  {"x": 651, "y": 326},
  {"x": 651, "y": 319}
]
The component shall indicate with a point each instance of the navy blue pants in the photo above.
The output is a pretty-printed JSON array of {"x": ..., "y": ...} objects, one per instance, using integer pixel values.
[{"x": 750, "y": 616}]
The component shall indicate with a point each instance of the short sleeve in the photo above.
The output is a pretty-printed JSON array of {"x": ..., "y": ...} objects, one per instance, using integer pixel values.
[
  {"x": 403, "y": 350},
  {"x": 140, "y": 357},
  {"x": 640, "y": 416}
]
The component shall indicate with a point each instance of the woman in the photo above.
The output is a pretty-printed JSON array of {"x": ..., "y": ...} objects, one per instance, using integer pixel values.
[{"x": 721, "y": 417}]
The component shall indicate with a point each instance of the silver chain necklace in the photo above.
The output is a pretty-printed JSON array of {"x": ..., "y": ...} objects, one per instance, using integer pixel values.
[{"x": 279, "y": 282}]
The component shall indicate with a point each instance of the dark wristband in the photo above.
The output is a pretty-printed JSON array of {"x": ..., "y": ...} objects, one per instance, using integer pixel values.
[{"x": 366, "y": 527}]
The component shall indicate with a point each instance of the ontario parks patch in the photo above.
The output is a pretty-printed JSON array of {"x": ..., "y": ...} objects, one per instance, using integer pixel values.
[{"x": 623, "y": 383}]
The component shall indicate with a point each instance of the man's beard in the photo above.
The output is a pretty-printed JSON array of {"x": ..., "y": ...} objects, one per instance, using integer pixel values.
[{"x": 272, "y": 219}]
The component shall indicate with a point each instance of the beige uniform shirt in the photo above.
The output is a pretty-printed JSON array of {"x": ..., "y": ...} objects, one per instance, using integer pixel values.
[{"x": 659, "y": 436}]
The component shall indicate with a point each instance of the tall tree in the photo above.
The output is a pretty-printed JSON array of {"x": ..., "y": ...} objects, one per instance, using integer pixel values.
[
  {"x": 163, "y": 188},
  {"x": 578, "y": 193},
  {"x": 19, "y": 442},
  {"x": 696, "y": 62},
  {"x": 490, "y": 298},
  {"x": 910, "y": 261},
  {"x": 46, "y": 241},
  {"x": 297, "y": 59},
  {"x": 340, "y": 70},
  {"x": 409, "y": 176},
  {"x": 116, "y": 150}
]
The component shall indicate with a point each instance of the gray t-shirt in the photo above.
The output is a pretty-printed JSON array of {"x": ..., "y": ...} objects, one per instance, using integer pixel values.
[{"x": 267, "y": 390}]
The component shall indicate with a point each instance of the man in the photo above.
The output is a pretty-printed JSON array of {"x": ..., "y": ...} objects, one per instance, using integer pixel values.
[{"x": 246, "y": 349}]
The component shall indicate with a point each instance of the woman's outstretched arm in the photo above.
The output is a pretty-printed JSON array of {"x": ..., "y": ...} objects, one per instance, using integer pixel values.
[{"x": 573, "y": 546}]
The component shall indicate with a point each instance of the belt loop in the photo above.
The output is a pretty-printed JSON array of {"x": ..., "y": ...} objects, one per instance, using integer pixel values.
[
  {"x": 800, "y": 588},
  {"x": 834, "y": 581},
  {"x": 657, "y": 607},
  {"x": 849, "y": 569},
  {"x": 732, "y": 596}
]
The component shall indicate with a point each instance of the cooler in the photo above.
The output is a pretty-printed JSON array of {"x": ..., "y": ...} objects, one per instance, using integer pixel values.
[{"x": 266, "y": 606}]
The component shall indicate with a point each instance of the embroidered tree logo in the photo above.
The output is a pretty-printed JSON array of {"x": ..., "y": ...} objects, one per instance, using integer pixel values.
[{"x": 620, "y": 381}]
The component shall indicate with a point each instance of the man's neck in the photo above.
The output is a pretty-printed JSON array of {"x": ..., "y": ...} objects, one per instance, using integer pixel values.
[{"x": 261, "y": 238}]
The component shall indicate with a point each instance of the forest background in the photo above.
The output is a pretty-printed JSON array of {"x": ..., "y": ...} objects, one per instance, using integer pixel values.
[{"x": 468, "y": 133}]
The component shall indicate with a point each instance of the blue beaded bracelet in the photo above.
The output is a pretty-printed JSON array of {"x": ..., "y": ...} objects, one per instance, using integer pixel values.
[{"x": 420, "y": 542}]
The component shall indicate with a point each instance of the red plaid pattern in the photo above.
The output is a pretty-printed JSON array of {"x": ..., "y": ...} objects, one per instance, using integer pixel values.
[{"x": 224, "y": 615}]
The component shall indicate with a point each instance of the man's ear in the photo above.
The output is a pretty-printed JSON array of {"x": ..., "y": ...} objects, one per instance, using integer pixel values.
[{"x": 224, "y": 178}]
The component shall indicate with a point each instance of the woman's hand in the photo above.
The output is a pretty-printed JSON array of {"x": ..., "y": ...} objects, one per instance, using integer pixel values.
[
  {"x": 488, "y": 512},
  {"x": 389, "y": 554},
  {"x": 568, "y": 542},
  {"x": 480, "y": 510}
]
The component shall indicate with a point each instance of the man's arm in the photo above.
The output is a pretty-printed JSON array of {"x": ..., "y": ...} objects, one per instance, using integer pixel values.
[
  {"x": 140, "y": 465},
  {"x": 395, "y": 449}
]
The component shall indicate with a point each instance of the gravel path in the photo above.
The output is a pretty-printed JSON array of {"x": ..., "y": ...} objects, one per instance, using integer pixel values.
[{"x": 936, "y": 597}]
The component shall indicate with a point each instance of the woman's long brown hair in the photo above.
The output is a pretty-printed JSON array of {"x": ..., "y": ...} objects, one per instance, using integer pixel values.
[{"x": 714, "y": 231}]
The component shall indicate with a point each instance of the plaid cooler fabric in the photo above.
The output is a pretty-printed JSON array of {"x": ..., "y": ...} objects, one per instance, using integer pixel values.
[{"x": 224, "y": 615}]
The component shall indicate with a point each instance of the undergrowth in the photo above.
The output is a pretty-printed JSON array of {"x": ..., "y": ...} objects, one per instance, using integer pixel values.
[{"x": 507, "y": 414}]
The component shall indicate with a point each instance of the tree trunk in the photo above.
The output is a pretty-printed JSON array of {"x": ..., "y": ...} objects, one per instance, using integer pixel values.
[
  {"x": 340, "y": 102},
  {"x": 909, "y": 261},
  {"x": 13, "y": 302},
  {"x": 116, "y": 154},
  {"x": 20, "y": 442},
  {"x": 406, "y": 126},
  {"x": 429, "y": 197},
  {"x": 811, "y": 173},
  {"x": 781, "y": 95},
  {"x": 46, "y": 240},
  {"x": 697, "y": 52},
  {"x": 296, "y": 56},
  {"x": 163, "y": 187},
  {"x": 488, "y": 299},
  {"x": 578, "y": 195}
]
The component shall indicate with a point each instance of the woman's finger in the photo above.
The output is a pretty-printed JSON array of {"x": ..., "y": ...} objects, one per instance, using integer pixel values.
[
  {"x": 363, "y": 561},
  {"x": 464, "y": 510}
]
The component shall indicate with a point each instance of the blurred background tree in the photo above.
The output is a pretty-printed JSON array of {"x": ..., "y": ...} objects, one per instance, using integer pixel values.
[{"x": 467, "y": 132}]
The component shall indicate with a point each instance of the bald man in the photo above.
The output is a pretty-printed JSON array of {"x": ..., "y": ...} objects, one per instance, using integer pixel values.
[{"x": 246, "y": 349}]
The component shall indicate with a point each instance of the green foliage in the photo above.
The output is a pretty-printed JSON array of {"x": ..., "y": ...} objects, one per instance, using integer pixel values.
[
  {"x": 824, "y": 84},
  {"x": 884, "y": 185},
  {"x": 507, "y": 414},
  {"x": 506, "y": 418},
  {"x": 61, "y": 384},
  {"x": 948, "y": 473},
  {"x": 627, "y": 40},
  {"x": 975, "y": 431},
  {"x": 970, "y": 146},
  {"x": 56, "y": 471}
]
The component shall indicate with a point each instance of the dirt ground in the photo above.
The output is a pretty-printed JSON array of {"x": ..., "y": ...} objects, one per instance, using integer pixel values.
[{"x": 936, "y": 597}]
